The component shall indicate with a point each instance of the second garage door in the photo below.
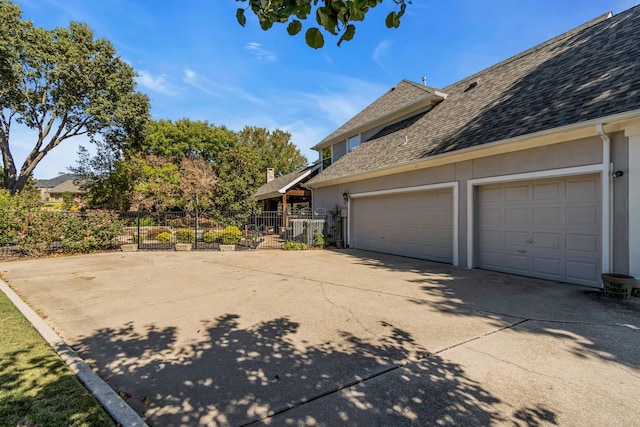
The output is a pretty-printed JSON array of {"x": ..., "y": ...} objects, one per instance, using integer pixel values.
[
  {"x": 544, "y": 228},
  {"x": 418, "y": 225}
]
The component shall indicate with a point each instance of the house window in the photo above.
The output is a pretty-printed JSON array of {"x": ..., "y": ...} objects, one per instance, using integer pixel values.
[
  {"x": 353, "y": 142},
  {"x": 326, "y": 157}
]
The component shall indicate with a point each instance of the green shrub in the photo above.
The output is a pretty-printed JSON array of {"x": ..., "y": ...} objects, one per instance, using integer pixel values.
[
  {"x": 210, "y": 237},
  {"x": 319, "y": 239},
  {"x": 154, "y": 232},
  {"x": 87, "y": 232},
  {"x": 37, "y": 231},
  {"x": 137, "y": 238},
  {"x": 185, "y": 235},
  {"x": 231, "y": 235},
  {"x": 146, "y": 221},
  {"x": 164, "y": 237},
  {"x": 292, "y": 245}
]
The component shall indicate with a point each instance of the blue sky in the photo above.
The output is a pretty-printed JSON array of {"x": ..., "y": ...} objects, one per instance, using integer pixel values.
[{"x": 195, "y": 61}]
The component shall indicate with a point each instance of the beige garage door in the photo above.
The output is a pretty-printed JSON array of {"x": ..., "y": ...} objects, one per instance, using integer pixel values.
[
  {"x": 545, "y": 228},
  {"x": 418, "y": 225}
]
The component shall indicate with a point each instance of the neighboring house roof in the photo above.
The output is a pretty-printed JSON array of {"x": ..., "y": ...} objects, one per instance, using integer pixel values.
[
  {"x": 60, "y": 184},
  {"x": 584, "y": 74},
  {"x": 280, "y": 185}
]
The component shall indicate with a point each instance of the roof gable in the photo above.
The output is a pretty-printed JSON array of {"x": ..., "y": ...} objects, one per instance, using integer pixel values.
[
  {"x": 404, "y": 94},
  {"x": 584, "y": 74},
  {"x": 281, "y": 184},
  {"x": 54, "y": 182}
]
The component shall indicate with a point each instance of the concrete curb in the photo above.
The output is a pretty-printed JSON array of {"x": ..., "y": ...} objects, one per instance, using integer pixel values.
[{"x": 109, "y": 399}]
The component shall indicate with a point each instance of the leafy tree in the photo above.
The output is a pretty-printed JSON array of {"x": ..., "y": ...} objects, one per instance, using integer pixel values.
[
  {"x": 187, "y": 138},
  {"x": 106, "y": 178},
  {"x": 335, "y": 16},
  {"x": 238, "y": 179},
  {"x": 197, "y": 183},
  {"x": 62, "y": 83},
  {"x": 156, "y": 183},
  {"x": 274, "y": 149}
]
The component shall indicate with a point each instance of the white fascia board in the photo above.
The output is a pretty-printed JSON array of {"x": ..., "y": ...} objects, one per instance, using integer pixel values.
[
  {"x": 431, "y": 99},
  {"x": 613, "y": 123},
  {"x": 300, "y": 178}
]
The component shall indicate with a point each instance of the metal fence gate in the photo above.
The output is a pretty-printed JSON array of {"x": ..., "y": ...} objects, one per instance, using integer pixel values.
[{"x": 208, "y": 230}]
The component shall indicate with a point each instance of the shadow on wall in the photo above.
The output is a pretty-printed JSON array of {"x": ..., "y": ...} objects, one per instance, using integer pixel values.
[{"x": 235, "y": 376}]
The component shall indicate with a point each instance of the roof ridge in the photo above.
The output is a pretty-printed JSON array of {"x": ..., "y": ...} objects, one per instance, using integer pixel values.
[
  {"x": 424, "y": 87},
  {"x": 533, "y": 49}
]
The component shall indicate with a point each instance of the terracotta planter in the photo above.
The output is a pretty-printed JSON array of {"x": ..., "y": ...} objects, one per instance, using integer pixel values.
[{"x": 618, "y": 285}]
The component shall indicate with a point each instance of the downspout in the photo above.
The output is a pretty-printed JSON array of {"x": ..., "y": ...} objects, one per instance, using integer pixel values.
[{"x": 607, "y": 201}]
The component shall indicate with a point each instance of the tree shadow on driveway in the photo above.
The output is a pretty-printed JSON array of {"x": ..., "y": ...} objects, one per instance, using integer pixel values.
[
  {"x": 595, "y": 325},
  {"x": 237, "y": 376}
]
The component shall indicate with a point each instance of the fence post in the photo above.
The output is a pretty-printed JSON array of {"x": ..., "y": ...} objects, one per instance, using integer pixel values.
[
  {"x": 138, "y": 225},
  {"x": 195, "y": 239}
]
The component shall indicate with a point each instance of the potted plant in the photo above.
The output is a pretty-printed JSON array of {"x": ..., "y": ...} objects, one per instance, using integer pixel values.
[
  {"x": 229, "y": 238},
  {"x": 618, "y": 285}
]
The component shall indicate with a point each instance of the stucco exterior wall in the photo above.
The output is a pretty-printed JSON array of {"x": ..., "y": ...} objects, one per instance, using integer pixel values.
[
  {"x": 587, "y": 151},
  {"x": 620, "y": 217}
]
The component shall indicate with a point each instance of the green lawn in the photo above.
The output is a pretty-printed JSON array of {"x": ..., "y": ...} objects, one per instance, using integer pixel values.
[{"x": 36, "y": 387}]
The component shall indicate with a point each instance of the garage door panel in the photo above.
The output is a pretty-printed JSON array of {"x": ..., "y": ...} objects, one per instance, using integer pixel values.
[
  {"x": 515, "y": 193},
  {"x": 581, "y": 271},
  {"x": 493, "y": 216},
  {"x": 556, "y": 228},
  {"x": 547, "y": 215},
  {"x": 583, "y": 243},
  {"x": 582, "y": 215},
  {"x": 547, "y": 191},
  {"x": 517, "y": 263},
  {"x": 547, "y": 266},
  {"x": 516, "y": 238},
  {"x": 517, "y": 216},
  {"x": 579, "y": 189},
  {"x": 443, "y": 217},
  {"x": 547, "y": 241},
  {"x": 417, "y": 225}
]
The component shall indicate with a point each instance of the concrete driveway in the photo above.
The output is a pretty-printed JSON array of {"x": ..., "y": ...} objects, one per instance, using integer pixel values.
[{"x": 339, "y": 338}]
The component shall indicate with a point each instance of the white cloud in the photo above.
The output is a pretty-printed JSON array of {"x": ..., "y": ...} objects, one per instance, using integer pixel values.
[
  {"x": 155, "y": 83},
  {"x": 380, "y": 54},
  {"x": 256, "y": 49},
  {"x": 193, "y": 79},
  {"x": 210, "y": 87}
]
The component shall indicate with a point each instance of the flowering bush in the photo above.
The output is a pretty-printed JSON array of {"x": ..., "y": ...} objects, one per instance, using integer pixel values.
[{"x": 38, "y": 231}]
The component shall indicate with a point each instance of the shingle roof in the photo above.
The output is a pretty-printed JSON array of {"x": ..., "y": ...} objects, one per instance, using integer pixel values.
[
  {"x": 54, "y": 182},
  {"x": 271, "y": 189},
  {"x": 401, "y": 95},
  {"x": 589, "y": 72}
]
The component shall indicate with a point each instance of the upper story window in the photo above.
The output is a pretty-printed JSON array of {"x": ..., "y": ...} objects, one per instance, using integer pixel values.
[
  {"x": 326, "y": 157},
  {"x": 353, "y": 142}
]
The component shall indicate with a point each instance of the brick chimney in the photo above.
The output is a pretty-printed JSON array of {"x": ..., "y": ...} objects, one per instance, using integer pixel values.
[{"x": 270, "y": 175}]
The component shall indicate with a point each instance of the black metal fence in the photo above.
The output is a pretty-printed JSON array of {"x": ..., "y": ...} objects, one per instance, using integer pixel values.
[
  {"x": 209, "y": 230},
  {"x": 36, "y": 232}
]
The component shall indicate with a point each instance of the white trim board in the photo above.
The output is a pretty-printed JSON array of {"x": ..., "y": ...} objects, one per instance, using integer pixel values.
[
  {"x": 553, "y": 173},
  {"x": 455, "y": 194}
]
